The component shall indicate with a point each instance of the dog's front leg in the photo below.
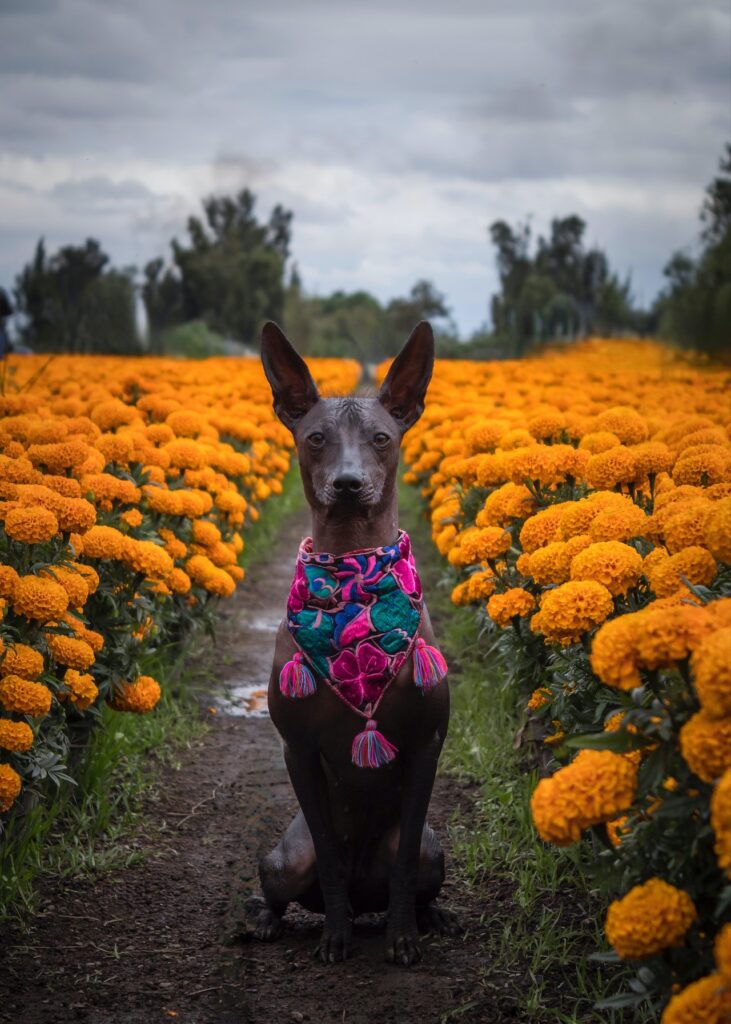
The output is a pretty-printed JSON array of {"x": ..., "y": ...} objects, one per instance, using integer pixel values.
[
  {"x": 402, "y": 936},
  {"x": 308, "y": 781}
]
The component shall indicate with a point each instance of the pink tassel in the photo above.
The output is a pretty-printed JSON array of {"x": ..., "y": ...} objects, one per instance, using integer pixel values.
[
  {"x": 429, "y": 666},
  {"x": 296, "y": 679},
  {"x": 371, "y": 749}
]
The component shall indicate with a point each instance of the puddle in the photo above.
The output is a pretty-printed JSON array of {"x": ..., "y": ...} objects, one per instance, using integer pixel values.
[{"x": 249, "y": 700}]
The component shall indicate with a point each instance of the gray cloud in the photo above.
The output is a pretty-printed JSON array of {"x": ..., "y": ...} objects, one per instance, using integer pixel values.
[{"x": 395, "y": 131}]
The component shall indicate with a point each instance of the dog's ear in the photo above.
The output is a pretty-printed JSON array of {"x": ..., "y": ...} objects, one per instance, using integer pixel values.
[
  {"x": 402, "y": 392},
  {"x": 292, "y": 385}
]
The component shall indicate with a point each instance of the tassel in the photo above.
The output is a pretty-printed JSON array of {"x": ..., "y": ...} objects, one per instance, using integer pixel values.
[
  {"x": 371, "y": 749},
  {"x": 296, "y": 679},
  {"x": 429, "y": 666}
]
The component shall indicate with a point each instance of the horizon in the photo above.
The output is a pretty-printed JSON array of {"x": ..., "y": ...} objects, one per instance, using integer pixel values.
[{"x": 123, "y": 119}]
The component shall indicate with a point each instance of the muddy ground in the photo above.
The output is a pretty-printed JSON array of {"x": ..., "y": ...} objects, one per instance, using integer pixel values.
[{"x": 170, "y": 938}]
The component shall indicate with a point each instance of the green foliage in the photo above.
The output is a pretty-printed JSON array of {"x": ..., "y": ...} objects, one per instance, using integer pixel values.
[
  {"x": 72, "y": 302},
  {"x": 562, "y": 290},
  {"x": 695, "y": 307},
  {"x": 229, "y": 272},
  {"x": 356, "y": 325},
  {"x": 193, "y": 340}
]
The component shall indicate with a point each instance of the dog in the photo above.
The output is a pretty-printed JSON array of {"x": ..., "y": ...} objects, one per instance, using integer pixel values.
[{"x": 360, "y": 842}]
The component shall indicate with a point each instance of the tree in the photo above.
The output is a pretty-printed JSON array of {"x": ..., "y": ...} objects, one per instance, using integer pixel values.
[
  {"x": 695, "y": 306},
  {"x": 230, "y": 272},
  {"x": 72, "y": 302},
  {"x": 563, "y": 290}
]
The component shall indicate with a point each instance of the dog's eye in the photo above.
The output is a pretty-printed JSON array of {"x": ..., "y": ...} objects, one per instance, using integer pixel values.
[
  {"x": 381, "y": 440},
  {"x": 317, "y": 439}
]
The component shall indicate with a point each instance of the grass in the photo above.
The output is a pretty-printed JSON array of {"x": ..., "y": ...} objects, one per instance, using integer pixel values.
[{"x": 545, "y": 919}]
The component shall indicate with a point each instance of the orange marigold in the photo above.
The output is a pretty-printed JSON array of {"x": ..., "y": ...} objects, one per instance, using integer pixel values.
[
  {"x": 650, "y": 918},
  {"x": 705, "y": 743},
  {"x": 31, "y": 525},
  {"x": 21, "y": 660},
  {"x": 616, "y": 565},
  {"x": 717, "y": 530},
  {"x": 83, "y": 691},
  {"x": 140, "y": 696},
  {"x": 25, "y": 697},
  {"x": 721, "y": 820},
  {"x": 707, "y": 1001},
  {"x": 596, "y": 787},
  {"x": 39, "y": 598},
  {"x": 607, "y": 469},
  {"x": 711, "y": 665},
  {"x": 514, "y": 603},
  {"x": 571, "y": 610},
  {"x": 9, "y": 787},
  {"x": 15, "y": 736}
]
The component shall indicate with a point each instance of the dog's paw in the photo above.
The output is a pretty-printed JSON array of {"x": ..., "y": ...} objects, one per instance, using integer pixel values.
[
  {"x": 402, "y": 947},
  {"x": 433, "y": 920},
  {"x": 269, "y": 926},
  {"x": 334, "y": 945}
]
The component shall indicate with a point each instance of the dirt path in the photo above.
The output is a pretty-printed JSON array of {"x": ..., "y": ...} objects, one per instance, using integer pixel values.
[{"x": 166, "y": 940}]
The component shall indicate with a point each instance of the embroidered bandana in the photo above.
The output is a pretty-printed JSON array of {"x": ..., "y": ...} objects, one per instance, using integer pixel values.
[{"x": 355, "y": 619}]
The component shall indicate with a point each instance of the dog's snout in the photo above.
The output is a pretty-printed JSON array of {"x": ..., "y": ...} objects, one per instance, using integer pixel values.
[{"x": 348, "y": 483}]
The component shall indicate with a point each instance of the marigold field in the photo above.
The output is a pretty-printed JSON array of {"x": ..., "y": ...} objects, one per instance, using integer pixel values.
[
  {"x": 125, "y": 488},
  {"x": 583, "y": 501}
]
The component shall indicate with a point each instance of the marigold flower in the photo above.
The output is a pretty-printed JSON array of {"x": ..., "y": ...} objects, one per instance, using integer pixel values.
[
  {"x": 31, "y": 525},
  {"x": 8, "y": 579},
  {"x": 722, "y": 950},
  {"x": 146, "y": 557},
  {"x": 610, "y": 468},
  {"x": 117, "y": 448},
  {"x": 709, "y": 467},
  {"x": 39, "y": 598},
  {"x": 707, "y": 1001},
  {"x": 140, "y": 697},
  {"x": 15, "y": 736},
  {"x": 69, "y": 650},
  {"x": 571, "y": 610},
  {"x": 186, "y": 454},
  {"x": 59, "y": 456},
  {"x": 650, "y": 918},
  {"x": 21, "y": 660},
  {"x": 180, "y": 582},
  {"x": 599, "y": 441},
  {"x": 705, "y": 743},
  {"x": 625, "y": 422},
  {"x": 10, "y": 785},
  {"x": 616, "y": 565},
  {"x": 83, "y": 689},
  {"x": 618, "y": 523},
  {"x": 206, "y": 533},
  {"x": 104, "y": 542},
  {"x": 693, "y": 564},
  {"x": 542, "y": 528},
  {"x": 514, "y": 603},
  {"x": 132, "y": 517},
  {"x": 717, "y": 530},
  {"x": 651, "y": 458},
  {"x": 596, "y": 787},
  {"x": 24, "y": 697},
  {"x": 721, "y": 820},
  {"x": 539, "y": 699},
  {"x": 711, "y": 666}
]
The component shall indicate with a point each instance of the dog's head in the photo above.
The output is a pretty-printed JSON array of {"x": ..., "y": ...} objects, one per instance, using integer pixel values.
[{"x": 348, "y": 447}]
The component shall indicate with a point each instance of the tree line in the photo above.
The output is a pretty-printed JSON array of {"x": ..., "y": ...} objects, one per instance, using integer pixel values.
[{"x": 231, "y": 270}]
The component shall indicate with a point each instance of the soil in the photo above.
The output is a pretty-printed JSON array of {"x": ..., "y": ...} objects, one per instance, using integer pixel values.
[{"x": 169, "y": 939}]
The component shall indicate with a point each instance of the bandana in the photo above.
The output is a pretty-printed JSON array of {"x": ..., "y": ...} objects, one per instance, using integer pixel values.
[{"x": 355, "y": 619}]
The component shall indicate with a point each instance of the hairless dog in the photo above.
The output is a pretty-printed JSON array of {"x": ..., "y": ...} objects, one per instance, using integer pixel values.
[{"x": 360, "y": 842}]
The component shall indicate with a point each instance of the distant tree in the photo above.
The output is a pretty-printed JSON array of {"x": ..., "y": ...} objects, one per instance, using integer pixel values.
[
  {"x": 162, "y": 294},
  {"x": 695, "y": 306},
  {"x": 562, "y": 290},
  {"x": 72, "y": 302},
  {"x": 231, "y": 269}
]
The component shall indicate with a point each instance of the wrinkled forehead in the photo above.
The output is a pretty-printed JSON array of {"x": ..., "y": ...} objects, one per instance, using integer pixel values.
[{"x": 354, "y": 415}]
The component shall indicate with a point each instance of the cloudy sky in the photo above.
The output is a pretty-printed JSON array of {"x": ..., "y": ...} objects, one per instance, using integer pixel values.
[{"x": 396, "y": 131}]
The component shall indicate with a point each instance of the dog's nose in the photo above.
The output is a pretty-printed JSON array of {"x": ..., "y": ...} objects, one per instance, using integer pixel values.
[{"x": 347, "y": 483}]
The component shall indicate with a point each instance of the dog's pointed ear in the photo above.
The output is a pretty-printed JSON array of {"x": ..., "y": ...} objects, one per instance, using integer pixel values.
[
  {"x": 404, "y": 389},
  {"x": 292, "y": 385}
]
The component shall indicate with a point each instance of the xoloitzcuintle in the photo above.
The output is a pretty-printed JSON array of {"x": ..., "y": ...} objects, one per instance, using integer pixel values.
[{"x": 360, "y": 842}]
